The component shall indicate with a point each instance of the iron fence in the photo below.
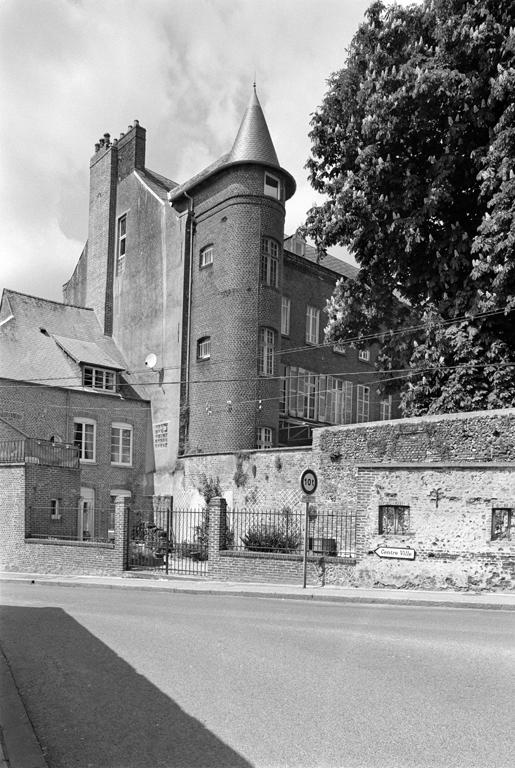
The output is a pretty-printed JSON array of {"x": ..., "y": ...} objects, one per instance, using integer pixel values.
[
  {"x": 35, "y": 451},
  {"x": 60, "y": 523},
  {"x": 331, "y": 533},
  {"x": 174, "y": 541}
]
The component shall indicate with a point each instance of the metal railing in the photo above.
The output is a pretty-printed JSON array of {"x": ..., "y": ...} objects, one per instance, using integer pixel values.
[
  {"x": 331, "y": 533},
  {"x": 175, "y": 541},
  {"x": 34, "y": 451},
  {"x": 66, "y": 524}
]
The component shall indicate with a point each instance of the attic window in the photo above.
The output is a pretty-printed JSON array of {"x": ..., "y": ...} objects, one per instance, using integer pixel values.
[
  {"x": 272, "y": 186},
  {"x": 99, "y": 378}
]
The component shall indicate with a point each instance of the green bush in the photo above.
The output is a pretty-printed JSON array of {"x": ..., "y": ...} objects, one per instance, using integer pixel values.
[{"x": 270, "y": 537}]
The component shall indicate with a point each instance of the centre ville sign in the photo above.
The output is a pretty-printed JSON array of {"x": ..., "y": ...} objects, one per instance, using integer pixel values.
[{"x": 396, "y": 553}]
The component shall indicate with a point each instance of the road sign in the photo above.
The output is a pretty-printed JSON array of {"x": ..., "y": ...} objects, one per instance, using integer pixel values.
[
  {"x": 308, "y": 482},
  {"x": 396, "y": 553}
]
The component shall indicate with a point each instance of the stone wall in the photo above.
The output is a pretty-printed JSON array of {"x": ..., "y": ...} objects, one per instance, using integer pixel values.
[{"x": 451, "y": 471}]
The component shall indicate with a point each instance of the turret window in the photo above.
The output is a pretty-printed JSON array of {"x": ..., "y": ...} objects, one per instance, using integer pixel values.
[
  {"x": 265, "y": 437},
  {"x": 270, "y": 262},
  {"x": 272, "y": 186}
]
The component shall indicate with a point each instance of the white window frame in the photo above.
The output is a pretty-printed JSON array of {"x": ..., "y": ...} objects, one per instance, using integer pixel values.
[
  {"x": 207, "y": 255},
  {"x": 285, "y": 316},
  {"x": 83, "y": 447},
  {"x": 364, "y": 355},
  {"x": 121, "y": 427},
  {"x": 363, "y": 403},
  {"x": 265, "y": 437},
  {"x": 266, "y": 351},
  {"x": 339, "y": 348},
  {"x": 386, "y": 408},
  {"x": 102, "y": 379},
  {"x": 312, "y": 324},
  {"x": 269, "y": 266},
  {"x": 121, "y": 243},
  {"x": 272, "y": 190},
  {"x": 204, "y": 348}
]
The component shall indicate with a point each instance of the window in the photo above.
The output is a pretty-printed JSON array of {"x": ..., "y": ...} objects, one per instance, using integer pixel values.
[
  {"x": 393, "y": 519},
  {"x": 312, "y": 322},
  {"x": 503, "y": 519},
  {"x": 340, "y": 348},
  {"x": 121, "y": 444},
  {"x": 84, "y": 438},
  {"x": 266, "y": 351},
  {"x": 161, "y": 435},
  {"x": 55, "y": 509},
  {"x": 309, "y": 395},
  {"x": 364, "y": 354},
  {"x": 272, "y": 186},
  {"x": 363, "y": 396},
  {"x": 386, "y": 408},
  {"x": 204, "y": 348},
  {"x": 264, "y": 437},
  {"x": 121, "y": 244},
  {"x": 285, "y": 316},
  {"x": 206, "y": 255},
  {"x": 269, "y": 262},
  {"x": 99, "y": 378}
]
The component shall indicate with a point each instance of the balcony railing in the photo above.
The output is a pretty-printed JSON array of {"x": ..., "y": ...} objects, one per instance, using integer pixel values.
[{"x": 34, "y": 451}]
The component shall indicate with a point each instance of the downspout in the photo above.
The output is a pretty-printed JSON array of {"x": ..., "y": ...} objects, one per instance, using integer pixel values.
[{"x": 190, "y": 282}]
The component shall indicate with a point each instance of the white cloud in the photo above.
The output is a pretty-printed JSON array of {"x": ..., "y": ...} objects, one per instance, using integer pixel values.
[{"x": 74, "y": 69}]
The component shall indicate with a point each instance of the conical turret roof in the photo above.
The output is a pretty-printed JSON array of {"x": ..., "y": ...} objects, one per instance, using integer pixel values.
[{"x": 253, "y": 142}]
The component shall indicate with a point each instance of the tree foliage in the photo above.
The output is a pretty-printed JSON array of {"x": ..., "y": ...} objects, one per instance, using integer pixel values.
[{"x": 414, "y": 149}]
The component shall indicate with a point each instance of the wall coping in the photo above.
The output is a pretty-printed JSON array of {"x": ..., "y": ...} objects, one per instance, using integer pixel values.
[
  {"x": 436, "y": 465},
  {"x": 278, "y": 449},
  {"x": 239, "y": 554},
  {"x": 65, "y": 543}
]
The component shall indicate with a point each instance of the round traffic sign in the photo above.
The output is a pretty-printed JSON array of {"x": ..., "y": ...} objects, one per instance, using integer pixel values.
[{"x": 308, "y": 481}]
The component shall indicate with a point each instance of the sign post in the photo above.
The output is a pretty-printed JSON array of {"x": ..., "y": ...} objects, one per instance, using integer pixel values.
[{"x": 308, "y": 485}]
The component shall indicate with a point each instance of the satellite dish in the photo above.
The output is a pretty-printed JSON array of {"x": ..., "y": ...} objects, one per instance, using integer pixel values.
[{"x": 151, "y": 360}]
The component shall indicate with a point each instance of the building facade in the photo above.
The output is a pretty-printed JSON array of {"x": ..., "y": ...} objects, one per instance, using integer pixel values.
[{"x": 218, "y": 316}]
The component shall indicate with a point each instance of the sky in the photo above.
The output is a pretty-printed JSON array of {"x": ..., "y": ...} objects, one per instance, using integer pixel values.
[{"x": 72, "y": 70}]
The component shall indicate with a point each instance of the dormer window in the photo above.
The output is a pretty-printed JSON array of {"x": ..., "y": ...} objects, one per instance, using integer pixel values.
[
  {"x": 272, "y": 186},
  {"x": 99, "y": 378}
]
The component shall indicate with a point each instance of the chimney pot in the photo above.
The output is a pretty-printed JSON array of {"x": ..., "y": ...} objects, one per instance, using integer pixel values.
[
  {"x": 101, "y": 142},
  {"x": 130, "y": 128},
  {"x": 97, "y": 147},
  {"x": 136, "y": 122},
  {"x": 122, "y": 135}
]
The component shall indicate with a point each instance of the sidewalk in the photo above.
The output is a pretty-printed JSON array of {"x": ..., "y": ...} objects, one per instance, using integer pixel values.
[{"x": 189, "y": 585}]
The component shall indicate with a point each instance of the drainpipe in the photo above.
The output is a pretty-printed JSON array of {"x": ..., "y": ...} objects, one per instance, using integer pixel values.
[{"x": 190, "y": 281}]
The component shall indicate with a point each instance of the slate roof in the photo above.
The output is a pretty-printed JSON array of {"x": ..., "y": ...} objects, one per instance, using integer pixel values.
[
  {"x": 333, "y": 263},
  {"x": 45, "y": 341},
  {"x": 253, "y": 144},
  {"x": 158, "y": 183}
]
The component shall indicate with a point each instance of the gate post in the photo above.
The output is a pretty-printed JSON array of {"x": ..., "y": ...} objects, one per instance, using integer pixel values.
[
  {"x": 121, "y": 532},
  {"x": 217, "y": 509}
]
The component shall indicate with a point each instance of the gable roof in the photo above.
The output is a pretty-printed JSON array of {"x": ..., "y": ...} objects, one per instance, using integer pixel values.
[
  {"x": 158, "y": 183},
  {"x": 46, "y": 341},
  {"x": 309, "y": 253}
]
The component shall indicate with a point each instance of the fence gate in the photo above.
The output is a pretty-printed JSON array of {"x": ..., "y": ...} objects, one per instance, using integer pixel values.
[{"x": 175, "y": 542}]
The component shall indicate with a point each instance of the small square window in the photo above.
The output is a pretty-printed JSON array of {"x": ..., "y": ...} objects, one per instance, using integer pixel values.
[
  {"x": 55, "y": 509},
  {"x": 503, "y": 521},
  {"x": 364, "y": 355},
  {"x": 272, "y": 186},
  {"x": 394, "y": 519},
  {"x": 340, "y": 348}
]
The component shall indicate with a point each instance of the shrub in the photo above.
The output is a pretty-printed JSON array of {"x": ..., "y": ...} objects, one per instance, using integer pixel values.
[{"x": 272, "y": 538}]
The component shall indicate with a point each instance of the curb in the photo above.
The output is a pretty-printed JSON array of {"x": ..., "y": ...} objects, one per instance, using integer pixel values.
[
  {"x": 19, "y": 747},
  {"x": 142, "y": 584}
]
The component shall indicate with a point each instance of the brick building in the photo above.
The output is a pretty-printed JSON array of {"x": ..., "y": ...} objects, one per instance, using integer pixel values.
[
  {"x": 66, "y": 414},
  {"x": 218, "y": 316}
]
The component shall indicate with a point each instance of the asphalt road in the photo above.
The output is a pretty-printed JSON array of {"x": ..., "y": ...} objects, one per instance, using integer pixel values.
[{"x": 134, "y": 679}]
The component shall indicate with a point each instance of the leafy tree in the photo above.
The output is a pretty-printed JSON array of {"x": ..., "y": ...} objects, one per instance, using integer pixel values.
[{"x": 414, "y": 149}]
